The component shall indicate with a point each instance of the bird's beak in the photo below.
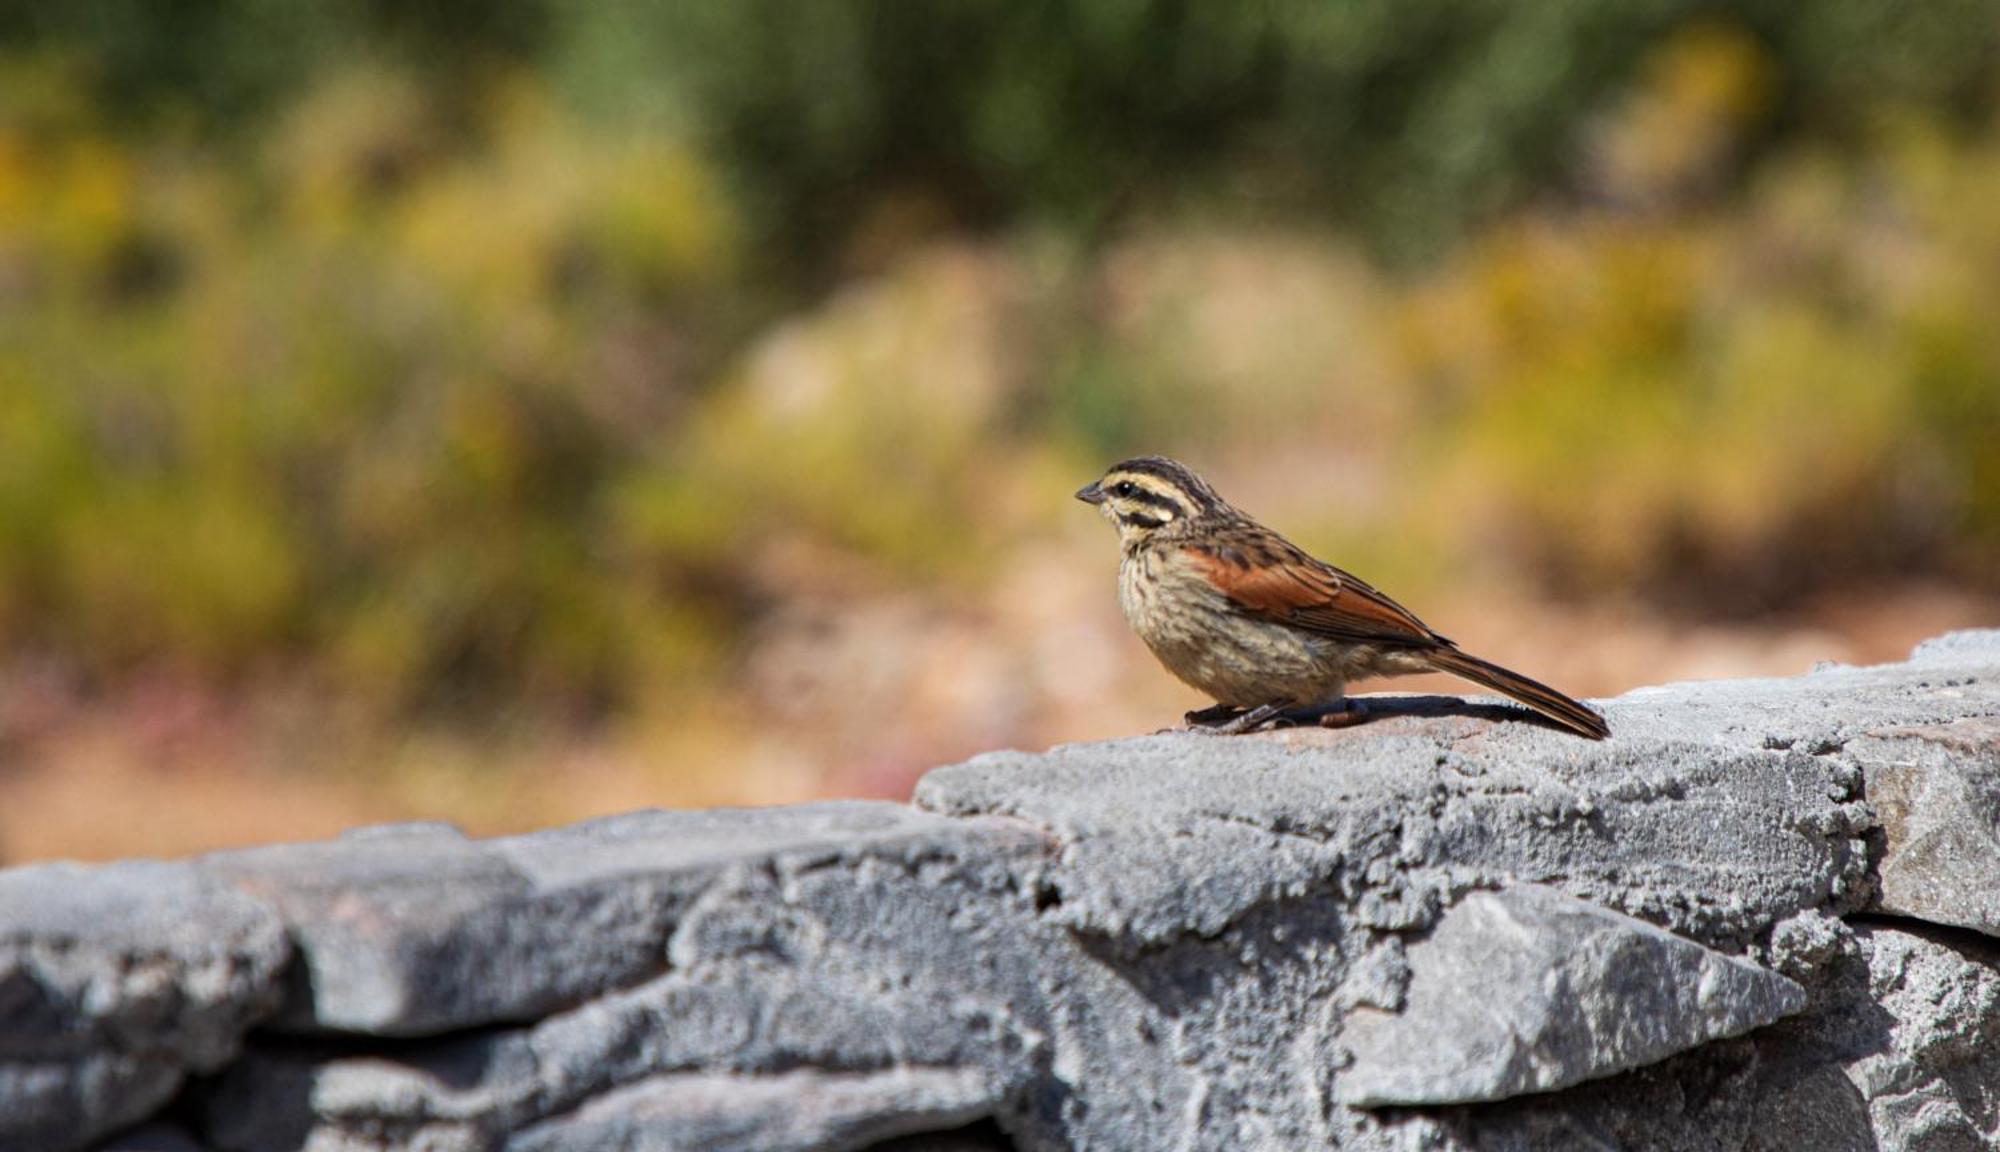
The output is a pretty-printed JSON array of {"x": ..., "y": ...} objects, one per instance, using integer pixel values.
[{"x": 1090, "y": 493}]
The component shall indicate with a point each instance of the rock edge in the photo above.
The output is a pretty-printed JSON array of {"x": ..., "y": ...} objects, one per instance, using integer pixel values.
[{"x": 1761, "y": 913}]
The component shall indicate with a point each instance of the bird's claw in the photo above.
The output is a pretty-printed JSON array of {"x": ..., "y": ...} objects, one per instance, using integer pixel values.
[
  {"x": 1224, "y": 720},
  {"x": 1207, "y": 718}
]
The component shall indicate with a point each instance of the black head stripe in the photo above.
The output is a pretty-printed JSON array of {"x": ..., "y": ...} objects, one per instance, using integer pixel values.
[
  {"x": 1152, "y": 499},
  {"x": 1142, "y": 520}
]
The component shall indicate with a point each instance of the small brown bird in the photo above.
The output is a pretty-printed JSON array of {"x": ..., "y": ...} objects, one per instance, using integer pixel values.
[{"x": 1246, "y": 616}]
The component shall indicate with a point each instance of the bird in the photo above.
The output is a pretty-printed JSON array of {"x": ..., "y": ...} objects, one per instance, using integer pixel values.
[{"x": 1252, "y": 620}]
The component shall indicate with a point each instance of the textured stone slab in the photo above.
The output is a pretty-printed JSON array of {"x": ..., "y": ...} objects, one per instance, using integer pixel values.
[
  {"x": 1528, "y": 990},
  {"x": 1936, "y": 792},
  {"x": 883, "y": 953},
  {"x": 1935, "y": 1085},
  {"x": 51, "y": 1105},
  {"x": 604, "y": 1065},
  {"x": 1171, "y": 942},
  {"x": 1899, "y": 1051},
  {"x": 1965, "y": 648},
  {"x": 802, "y": 1111},
  {"x": 1254, "y": 889},
  {"x": 1715, "y": 809},
  {"x": 115, "y": 983},
  {"x": 1172, "y": 835},
  {"x": 418, "y": 931}
]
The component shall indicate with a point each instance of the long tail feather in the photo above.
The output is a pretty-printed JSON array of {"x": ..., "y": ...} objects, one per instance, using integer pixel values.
[{"x": 1536, "y": 695}]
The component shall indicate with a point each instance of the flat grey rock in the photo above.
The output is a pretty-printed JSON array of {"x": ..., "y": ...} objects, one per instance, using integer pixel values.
[
  {"x": 1528, "y": 990},
  {"x": 1965, "y": 648},
  {"x": 1898, "y": 1051},
  {"x": 1715, "y": 809},
  {"x": 418, "y": 931},
  {"x": 799, "y": 1111},
  {"x": 1494, "y": 935},
  {"x": 115, "y": 983},
  {"x": 1934, "y": 1086},
  {"x": 616, "y": 1061},
  {"x": 798, "y": 954},
  {"x": 1936, "y": 793},
  {"x": 1167, "y": 836}
]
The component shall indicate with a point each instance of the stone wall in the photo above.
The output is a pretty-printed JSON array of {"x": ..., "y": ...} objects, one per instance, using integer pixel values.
[{"x": 1762, "y": 916}]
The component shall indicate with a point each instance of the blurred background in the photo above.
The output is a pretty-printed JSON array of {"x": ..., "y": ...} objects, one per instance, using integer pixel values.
[{"x": 506, "y": 413}]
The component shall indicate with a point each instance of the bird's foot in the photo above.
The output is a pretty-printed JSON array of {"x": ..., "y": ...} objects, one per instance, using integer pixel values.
[
  {"x": 1227, "y": 720},
  {"x": 1251, "y": 720},
  {"x": 1208, "y": 718},
  {"x": 1345, "y": 714}
]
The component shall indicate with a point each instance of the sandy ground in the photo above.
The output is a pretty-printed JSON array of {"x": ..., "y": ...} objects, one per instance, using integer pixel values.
[{"x": 847, "y": 698}]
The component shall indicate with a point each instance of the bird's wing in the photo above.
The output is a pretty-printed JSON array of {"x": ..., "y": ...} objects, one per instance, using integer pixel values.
[{"x": 1279, "y": 582}]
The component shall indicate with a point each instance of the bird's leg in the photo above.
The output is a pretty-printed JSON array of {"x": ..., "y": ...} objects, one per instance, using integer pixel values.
[
  {"x": 1250, "y": 721},
  {"x": 1206, "y": 717}
]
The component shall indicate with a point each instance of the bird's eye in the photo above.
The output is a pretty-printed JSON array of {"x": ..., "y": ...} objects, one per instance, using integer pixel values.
[{"x": 1123, "y": 488}]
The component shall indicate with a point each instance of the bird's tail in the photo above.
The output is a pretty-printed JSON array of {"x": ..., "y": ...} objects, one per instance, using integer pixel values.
[{"x": 1536, "y": 695}]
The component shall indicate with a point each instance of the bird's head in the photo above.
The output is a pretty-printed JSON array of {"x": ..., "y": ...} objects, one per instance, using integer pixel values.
[{"x": 1150, "y": 494}]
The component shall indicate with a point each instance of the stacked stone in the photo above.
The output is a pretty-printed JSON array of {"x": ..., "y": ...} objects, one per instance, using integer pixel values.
[{"x": 1761, "y": 916}]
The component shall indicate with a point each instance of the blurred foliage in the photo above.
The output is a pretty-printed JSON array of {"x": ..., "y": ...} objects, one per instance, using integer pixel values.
[
  {"x": 222, "y": 64},
  {"x": 457, "y": 356},
  {"x": 1406, "y": 120},
  {"x": 1727, "y": 408},
  {"x": 361, "y": 402},
  {"x": 849, "y": 123}
]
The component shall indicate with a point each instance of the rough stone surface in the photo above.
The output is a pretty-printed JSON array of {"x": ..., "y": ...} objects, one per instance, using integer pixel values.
[
  {"x": 1936, "y": 1083},
  {"x": 1898, "y": 1050},
  {"x": 115, "y": 983},
  {"x": 859, "y": 955},
  {"x": 1521, "y": 939},
  {"x": 1527, "y": 990},
  {"x": 801, "y": 1111},
  {"x": 1936, "y": 793},
  {"x": 1716, "y": 809},
  {"x": 415, "y": 930}
]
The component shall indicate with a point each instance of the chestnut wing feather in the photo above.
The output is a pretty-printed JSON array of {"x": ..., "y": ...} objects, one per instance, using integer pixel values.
[{"x": 1286, "y": 585}]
